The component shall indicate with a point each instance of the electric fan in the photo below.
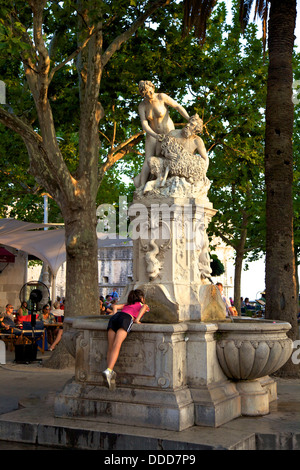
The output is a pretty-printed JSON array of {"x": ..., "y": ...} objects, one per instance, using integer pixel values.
[{"x": 36, "y": 294}]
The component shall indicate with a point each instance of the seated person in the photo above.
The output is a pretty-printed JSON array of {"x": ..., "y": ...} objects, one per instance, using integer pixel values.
[
  {"x": 23, "y": 310},
  {"x": 107, "y": 304},
  {"x": 48, "y": 319},
  {"x": 7, "y": 320},
  {"x": 57, "y": 339},
  {"x": 102, "y": 308},
  {"x": 56, "y": 304},
  {"x": 46, "y": 316},
  {"x": 23, "y": 314},
  {"x": 109, "y": 309}
]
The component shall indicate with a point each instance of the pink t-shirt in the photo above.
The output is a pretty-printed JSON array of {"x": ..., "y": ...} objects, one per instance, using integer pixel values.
[{"x": 133, "y": 309}]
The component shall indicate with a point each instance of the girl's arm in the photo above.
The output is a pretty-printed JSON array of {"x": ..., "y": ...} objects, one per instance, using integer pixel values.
[
  {"x": 143, "y": 310},
  {"x": 116, "y": 307}
]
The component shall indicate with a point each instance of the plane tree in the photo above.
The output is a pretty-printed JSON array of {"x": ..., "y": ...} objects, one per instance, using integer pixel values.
[{"x": 47, "y": 36}]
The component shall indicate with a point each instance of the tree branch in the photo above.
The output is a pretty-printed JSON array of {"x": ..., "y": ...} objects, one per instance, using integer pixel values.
[
  {"x": 51, "y": 173},
  {"x": 118, "y": 152},
  {"x": 118, "y": 41},
  {"x": 19, "y": 126},
  {"x": 27, "y": 59},
  {"x": 73, "y": 55},
  {"x": 37, "y": 7}
]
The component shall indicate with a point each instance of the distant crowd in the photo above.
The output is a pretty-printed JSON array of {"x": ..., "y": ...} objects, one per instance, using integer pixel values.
[{"x": 107, "y": 302}]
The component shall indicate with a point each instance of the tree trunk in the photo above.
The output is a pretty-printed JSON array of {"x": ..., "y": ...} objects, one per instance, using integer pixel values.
[
  {"x": 82, "y": 261},
  {"x": 280, "y": 261},
  {"x": 240, "y": 252},
  {"x": 237, "y": 279}
]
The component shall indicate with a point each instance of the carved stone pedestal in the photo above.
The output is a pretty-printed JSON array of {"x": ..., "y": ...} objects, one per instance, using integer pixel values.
[
  {"x": 171, "y": 263},
  {"x": 254, "y": 398}
]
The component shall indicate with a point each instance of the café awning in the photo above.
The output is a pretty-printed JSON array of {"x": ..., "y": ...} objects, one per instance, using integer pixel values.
[
  {"x": 6, "y": 256},
  {"x": 47, "y": 245}
]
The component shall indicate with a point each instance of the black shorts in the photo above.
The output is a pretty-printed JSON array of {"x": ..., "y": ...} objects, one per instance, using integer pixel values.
[{"x": 120, "y": 320}]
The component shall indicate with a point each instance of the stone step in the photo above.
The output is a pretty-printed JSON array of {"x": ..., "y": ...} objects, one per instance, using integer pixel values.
[{"x": 36, "y": 425}]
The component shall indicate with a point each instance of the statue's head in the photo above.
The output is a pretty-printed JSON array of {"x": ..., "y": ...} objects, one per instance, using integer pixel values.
[
  {"x": 194, "y": 126},
  {"x": 146, "y": 86},
  {"x": 196, "y": 123}
]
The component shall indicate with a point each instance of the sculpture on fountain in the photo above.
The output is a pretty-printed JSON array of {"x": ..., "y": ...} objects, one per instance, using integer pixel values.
[
  {"x": 156, "y": 121},
  {"x": 169, "y": 152},
  {"x": 178, "y": 165}
]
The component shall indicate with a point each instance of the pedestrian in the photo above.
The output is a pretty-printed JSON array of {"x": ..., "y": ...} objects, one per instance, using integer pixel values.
[
  {"x": 229, "y": 309},
  {"x": 56, "y": 304},
  {"x": 114, "y": 294},
  {"x": 123, "y": 316}
]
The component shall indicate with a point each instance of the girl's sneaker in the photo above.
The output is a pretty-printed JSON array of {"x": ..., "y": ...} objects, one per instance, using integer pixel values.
[{"x": 110, "y": 378}]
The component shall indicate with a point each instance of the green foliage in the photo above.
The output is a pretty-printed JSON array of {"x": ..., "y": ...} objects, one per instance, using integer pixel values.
[
  {"x": 217, "y": 267},
  {"x": 232, "y": 102}
]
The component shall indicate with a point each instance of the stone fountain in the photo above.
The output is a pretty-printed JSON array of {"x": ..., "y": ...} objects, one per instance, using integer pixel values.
[{"x": 187, "y": 363}]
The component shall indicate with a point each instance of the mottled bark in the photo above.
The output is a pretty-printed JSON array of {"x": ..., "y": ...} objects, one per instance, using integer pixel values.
[{"x": 281, "y": 302}]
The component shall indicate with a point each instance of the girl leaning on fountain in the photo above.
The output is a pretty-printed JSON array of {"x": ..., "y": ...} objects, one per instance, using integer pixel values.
[{"x": 118, "y": 328}]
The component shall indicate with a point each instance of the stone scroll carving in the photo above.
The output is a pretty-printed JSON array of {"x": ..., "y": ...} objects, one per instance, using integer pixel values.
[{"x": 155, "y": 252}]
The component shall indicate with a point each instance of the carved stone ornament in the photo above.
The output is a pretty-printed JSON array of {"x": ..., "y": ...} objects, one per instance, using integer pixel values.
[{"x": 155, "y": 253}]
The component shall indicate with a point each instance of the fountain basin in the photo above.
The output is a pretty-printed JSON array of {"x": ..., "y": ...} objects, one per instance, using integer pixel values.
[{"x": 248, "y": 349}]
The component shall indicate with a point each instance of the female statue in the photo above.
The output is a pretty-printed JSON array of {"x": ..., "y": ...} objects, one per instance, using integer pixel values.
[{"x": 156, "y": 121}]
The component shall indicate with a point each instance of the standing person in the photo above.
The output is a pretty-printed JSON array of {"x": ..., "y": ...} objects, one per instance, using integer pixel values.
[
  {"x": 229, "y": 309},
  {"x": 118, "y": 328},
  {"x": 56, "y": 304},
  {"x": 114, "y": 294},
  {"x": 156, "y": 121}
]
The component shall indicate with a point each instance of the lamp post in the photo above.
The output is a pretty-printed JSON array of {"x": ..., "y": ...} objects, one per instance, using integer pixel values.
[{"x": 45, "y": 265}]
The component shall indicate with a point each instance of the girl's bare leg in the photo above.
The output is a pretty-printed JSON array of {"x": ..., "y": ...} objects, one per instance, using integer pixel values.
[
  {"x": 115, "y": 341},
  {"x": 110, "y": 341}
]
